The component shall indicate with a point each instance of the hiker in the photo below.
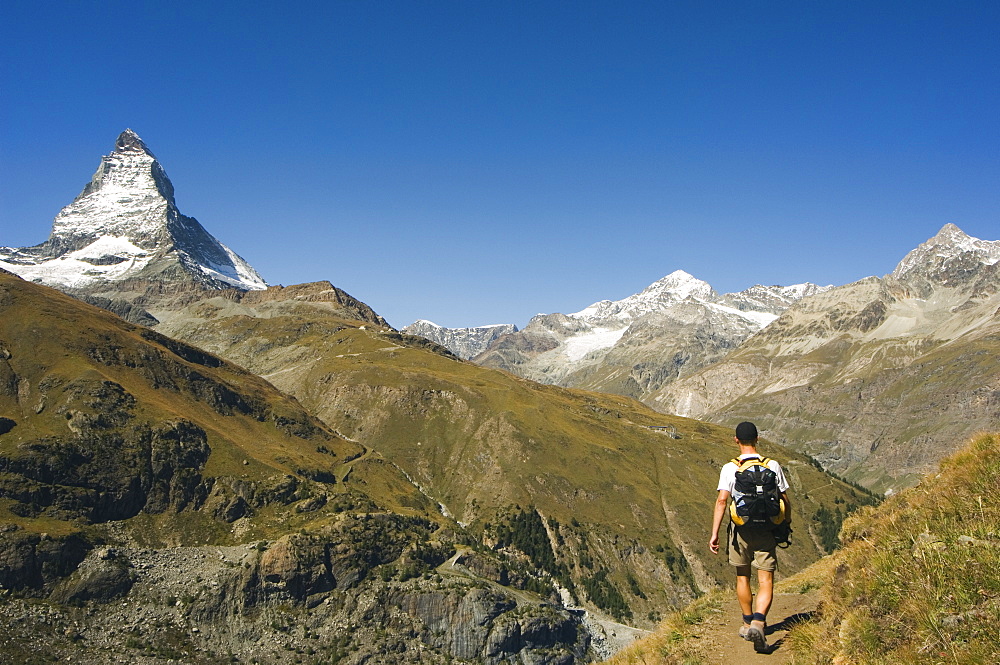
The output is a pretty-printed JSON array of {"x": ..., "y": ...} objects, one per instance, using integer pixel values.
[{"x": 751, "y": 545}]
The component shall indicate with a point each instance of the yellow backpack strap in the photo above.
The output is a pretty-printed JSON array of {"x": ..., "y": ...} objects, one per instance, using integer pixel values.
[
  {"x": 742, "y": 465},
  {"x": 736, "y": 519},
  {"x": 783, "y": 515}
]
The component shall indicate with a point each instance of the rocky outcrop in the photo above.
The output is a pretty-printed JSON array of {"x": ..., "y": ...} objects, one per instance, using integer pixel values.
[
  {"x": 30, "y": 561},
  {"x": 339, "y": 302},
  {"x": 483, "y": 625},
  {"x": 128, "y": 311},
  {"x": 101, "y": 578}
]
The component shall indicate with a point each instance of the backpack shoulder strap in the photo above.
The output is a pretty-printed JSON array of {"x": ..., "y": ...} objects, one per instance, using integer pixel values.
[{"x": 742, "y": 465}]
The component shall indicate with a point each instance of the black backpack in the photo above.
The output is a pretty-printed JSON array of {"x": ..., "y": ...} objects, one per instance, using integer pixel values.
[{"x": 756, "y": 499}]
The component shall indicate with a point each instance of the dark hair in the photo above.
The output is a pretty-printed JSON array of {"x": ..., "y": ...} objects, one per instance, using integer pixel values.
[{"x": 746, "y": 432}]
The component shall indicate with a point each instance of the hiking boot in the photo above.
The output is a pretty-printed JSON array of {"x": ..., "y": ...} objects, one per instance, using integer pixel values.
[
  {"x": 744, "y": 630},
  {"x": 755, "y": 633}
]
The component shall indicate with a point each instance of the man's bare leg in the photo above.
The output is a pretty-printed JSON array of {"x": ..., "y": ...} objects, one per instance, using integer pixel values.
[
  {"x": 745, "y": 596},
  {"x": 765, "y": 591},
  {"x": 743, "y": 592},
  {"x": 758, "y": 626}
]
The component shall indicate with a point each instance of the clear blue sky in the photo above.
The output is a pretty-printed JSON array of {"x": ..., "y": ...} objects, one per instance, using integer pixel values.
[{"x": 480, "y": 162}]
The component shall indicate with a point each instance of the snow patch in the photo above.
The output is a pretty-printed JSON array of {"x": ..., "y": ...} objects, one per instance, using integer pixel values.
[
  {"x": 759, "y": 319},
  {"x": 579, "y": 346}
]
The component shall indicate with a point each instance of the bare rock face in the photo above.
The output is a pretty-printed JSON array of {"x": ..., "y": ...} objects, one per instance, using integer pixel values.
[
  {"x": 320, "y": 293},
  {"x": 101, "y": 578},
  {"x": 31, "y": 560},
  {"x": 275, "y": 601}
]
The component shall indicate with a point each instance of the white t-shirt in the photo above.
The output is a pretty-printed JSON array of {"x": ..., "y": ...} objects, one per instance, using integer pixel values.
[{"x": 727, "y": 477}]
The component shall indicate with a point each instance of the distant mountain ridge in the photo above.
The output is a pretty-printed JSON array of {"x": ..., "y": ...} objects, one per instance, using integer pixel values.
[
  {"x": 758, "y": 303},
  {"x": 465, "y": 343},
  {"x": 949, "y": 256},
  {"x": 124, "y": 228},
  {"x": 637, "y": 344}
]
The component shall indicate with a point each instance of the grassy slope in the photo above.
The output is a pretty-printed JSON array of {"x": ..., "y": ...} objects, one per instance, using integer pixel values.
[
  {"x": 917, "y": 579},
  {"x": 52, "y": 345},
  {"x": 482, "y": 440}
]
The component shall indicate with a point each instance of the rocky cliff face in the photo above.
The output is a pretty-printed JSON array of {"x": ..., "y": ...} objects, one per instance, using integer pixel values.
[
  {"x": 463, "y": 342},
  {"x": 636, "y": 345},
  {"x": 878, "y": 379},
  {"x": 329, "y": 596},
  {"x": 123, "y": 237}
]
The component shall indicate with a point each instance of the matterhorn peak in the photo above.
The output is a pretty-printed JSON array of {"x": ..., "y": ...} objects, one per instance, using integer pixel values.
[
  {"x": 125, "y": 226},
  {"x": 129, "y": 141}
]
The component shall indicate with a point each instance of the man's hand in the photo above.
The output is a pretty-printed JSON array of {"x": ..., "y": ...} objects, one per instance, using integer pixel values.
[{"x": 721, "y": 503}]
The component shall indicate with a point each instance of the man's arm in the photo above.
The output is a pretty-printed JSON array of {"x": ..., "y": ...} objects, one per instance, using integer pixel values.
[{"x": 721, "y": 502}]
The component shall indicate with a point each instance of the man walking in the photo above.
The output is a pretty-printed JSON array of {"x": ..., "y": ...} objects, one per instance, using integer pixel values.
[{"x": 749, "y": 545}]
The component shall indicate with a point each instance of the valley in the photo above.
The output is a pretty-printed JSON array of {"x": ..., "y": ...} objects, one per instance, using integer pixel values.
[{"x": 197, "y": 466}]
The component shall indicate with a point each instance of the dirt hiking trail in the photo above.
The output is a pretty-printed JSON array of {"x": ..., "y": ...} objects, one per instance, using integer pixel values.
[{"x": 719, "y": 640}]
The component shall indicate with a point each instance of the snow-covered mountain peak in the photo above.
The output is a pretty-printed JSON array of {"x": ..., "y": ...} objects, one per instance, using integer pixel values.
[
  {"x": 949, "y": 247},
  {"x": 125, "y": 224},
  {"x": 676, "y": 287},
  {"x": 679, "y": 285},
  {"x": 129, "y": 195}
]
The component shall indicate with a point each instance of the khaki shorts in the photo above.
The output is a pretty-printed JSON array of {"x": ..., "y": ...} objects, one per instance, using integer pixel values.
[{"x": 752, "y": 546}]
